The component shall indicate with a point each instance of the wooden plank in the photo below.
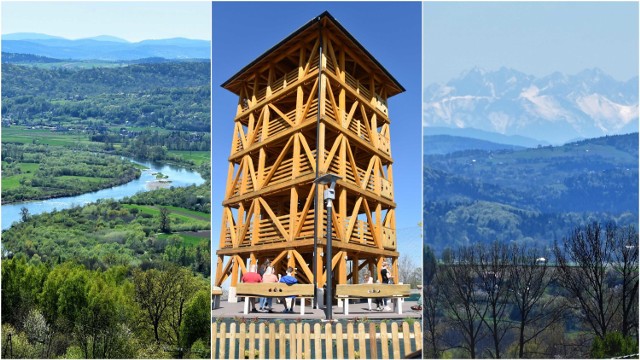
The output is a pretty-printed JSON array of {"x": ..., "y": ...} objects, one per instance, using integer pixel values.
[
  {"x": 299, "y": 338},
  {"x": 406, "y": 338},
  {"x": 223, "y": 342},
  {"x": 317, "y": 341},
  {"x": 214, "y": 338},
  {"x": 282, "y": 336},
  {"x": 307, "y": 354},
  {"x": 252, "y": 343},
  {"x": 373, "y": 342},
  {"x": 372, "y": 290},
  {"x": 417, "y": 335},
  {"x": 339, "y": 342},
  {"x": 328, "y": 336},
  {"x": 362, "y": 342},
  {"x": 272, "y": 341},
  {"x": 277, "y": 163},
  {"x": 274, "y": 289},
  {"x": 384, "y": 340},
  {"x": 261, "y": 341},
  {"x": 274, "y": 218},
  {"x": 395, "y": 341},
  {"x": 305, "y": 211},
  {"x": 351, "y": 342},
  {"x": 232, "y": 342},
  {"x": 292, "y": 340},
  {"x": 241, "y": 340},
  {"x": 308, "y": 273}
]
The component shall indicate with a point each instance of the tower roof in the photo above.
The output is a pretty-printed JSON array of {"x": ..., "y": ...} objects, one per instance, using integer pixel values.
[{"x": 325, "y": 20}]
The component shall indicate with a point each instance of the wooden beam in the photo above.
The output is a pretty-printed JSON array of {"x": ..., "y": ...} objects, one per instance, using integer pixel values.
[{"x": 303, "y": 265}]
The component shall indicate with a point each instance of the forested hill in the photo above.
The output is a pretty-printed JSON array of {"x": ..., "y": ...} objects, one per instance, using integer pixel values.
[
  {"x": 446, "y": 144},
  {"x": 174, "y": 96},
  {"x": 59, "y": 82},
  {"x": 532, "y": 195}
]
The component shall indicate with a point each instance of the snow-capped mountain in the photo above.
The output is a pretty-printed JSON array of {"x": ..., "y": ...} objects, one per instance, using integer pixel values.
[{"x": 556, "y": 108}]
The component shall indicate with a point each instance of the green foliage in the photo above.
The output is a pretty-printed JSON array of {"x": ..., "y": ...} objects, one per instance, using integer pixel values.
[
  {"x": 107, "y": 233},
  {"x": 40, "y": 172},
  {"x": 196, "y": 198},
  {"x": 85, "y": 313},
  {"x": 197, "y": 319},
  {"x": 169, "y": 95},
  {"x": 613, "y": 344}
]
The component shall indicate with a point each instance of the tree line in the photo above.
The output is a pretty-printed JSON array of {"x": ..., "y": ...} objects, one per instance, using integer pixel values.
[
  {"x": 67, "y": 310},
  {"x": 576, "y": 299}
]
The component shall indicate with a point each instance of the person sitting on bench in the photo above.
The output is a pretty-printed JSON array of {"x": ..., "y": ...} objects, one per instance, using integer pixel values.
[
  {"x": 289, "y": 279},
  {"x": 252, "y": 276}
]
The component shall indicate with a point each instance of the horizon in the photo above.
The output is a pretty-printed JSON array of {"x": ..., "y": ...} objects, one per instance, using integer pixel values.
[
  {"x": 92, "y": 37},
  {"x": 483, "y": 69}
]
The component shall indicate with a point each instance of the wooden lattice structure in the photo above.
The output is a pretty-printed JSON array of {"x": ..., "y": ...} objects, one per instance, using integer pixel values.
[{"x": 317, "y": 89}]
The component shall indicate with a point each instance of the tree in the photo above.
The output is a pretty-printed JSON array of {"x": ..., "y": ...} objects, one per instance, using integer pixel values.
[
  {"x": 463, "y": 305},
  {"x": 408, "y": 272},
  {"x": 197, "y": 319},
  {"x": 431, "y": 319},
  {"x": 185, "y": 287},
  {"x": 582, "y": 264},
  {"x": 626, "y": 266},
  {"x": 529, "y": 279},
  {"x": 165, "y": 220},
  {"x": 491, "y": 269},
  {"x": 614, "y": 344},
  {"x": 24, "y": 214}
]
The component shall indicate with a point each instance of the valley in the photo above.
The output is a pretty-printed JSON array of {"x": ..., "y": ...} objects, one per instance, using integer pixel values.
[{"x": 105, "y": 189}]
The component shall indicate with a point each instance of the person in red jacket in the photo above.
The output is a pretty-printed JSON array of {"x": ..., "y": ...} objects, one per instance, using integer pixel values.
[{"x": 252, "y": 276}]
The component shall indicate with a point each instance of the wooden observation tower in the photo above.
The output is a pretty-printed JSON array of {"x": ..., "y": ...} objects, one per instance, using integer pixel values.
[{"x": 315, "y": 103}]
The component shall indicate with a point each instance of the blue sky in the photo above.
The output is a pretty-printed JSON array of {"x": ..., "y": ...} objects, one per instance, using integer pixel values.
[
  {"x": 535, "y": 38},
  {"x": 133, "y": 21},
  {"x": 389, "y": 31}
]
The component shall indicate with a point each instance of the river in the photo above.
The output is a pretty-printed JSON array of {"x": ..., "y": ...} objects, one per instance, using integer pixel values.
[{"x": 178, "y": 176}]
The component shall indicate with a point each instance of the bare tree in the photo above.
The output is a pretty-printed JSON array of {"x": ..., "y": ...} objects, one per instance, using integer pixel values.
[
  {"x": 462, "y": 302},
  {"x": 625, "y": 265},
  {"x": 431, "y": 316},
  {"x": 582, "y": 262},
  {"x": 529, "y": 279},
  {"x": 408, "y": 272},
  {"x": 491, "y": 271}
]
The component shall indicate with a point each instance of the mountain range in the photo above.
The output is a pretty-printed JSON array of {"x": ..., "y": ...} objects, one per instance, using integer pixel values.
[
  {"x": 557, "y": 108},
  {"x": 104, "y": 47}
]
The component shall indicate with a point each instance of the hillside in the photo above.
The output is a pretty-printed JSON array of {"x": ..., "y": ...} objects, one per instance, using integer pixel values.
[
  {"x": 136, "y": 95},
  {"x": 446, "y": 144},
  {"x": 534, "y": 195}
]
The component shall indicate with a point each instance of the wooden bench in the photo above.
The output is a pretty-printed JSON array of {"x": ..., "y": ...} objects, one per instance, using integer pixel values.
[
  {"x": 397, "y": 292},
  {"x": 216, "y": 294},
  {"x": 274, "y": 290}
]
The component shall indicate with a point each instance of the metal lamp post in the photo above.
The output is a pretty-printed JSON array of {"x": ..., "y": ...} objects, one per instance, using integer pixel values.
[{"x": 329, "y": 196}]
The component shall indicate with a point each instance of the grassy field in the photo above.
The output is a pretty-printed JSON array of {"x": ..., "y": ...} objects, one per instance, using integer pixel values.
[
  {"x": 178, "y": 216},
  {"x": 198, "y": 157},
  {"x": 23, "y": 135}
]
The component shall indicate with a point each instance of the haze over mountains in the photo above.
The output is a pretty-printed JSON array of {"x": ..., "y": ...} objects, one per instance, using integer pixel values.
[
  {"x": 104, "y": 47},
  {"x": 557, "y": 108}
]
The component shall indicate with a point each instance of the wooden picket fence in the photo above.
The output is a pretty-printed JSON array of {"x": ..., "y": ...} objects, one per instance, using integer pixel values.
[{"x": 303, "y": 341}]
